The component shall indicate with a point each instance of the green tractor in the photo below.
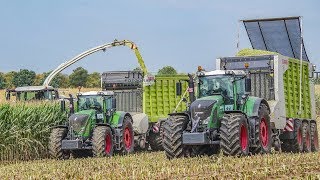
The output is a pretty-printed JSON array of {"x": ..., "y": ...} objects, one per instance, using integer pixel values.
[
  {"x": 222, "y": 116},
  {"x": 96, "y": 128}
]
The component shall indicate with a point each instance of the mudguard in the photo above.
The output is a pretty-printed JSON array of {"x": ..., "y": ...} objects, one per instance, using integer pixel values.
[
  {"x": 118, "y": 117},
  {"x": 180, "y": 114},
  {"x": 252, "y": 106}
]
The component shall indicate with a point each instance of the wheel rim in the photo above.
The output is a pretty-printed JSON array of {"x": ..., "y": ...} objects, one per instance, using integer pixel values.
[
  {"x": 127, "y": 138},
  {"x": 108, "y": 145},
  {"x": 264, "y": 133},
  {"x": 243, "y": 138}
]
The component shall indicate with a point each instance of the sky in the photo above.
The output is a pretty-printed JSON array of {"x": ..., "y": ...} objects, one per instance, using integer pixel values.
[{"x": 40, "y": 35}]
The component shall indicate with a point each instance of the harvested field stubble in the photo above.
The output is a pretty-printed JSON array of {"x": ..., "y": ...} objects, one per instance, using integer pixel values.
[{"x": 156, "y": 166}]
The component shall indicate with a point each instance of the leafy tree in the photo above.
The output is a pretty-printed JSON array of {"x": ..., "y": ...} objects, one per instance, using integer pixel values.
[
  {"x": 39, "y": 79},
  {"x": 167, "y": 70},
  {"x": 9, "y": 79},
  {"x": 24, "y": 77},
  {"x": 93, "y": 80},
  {"x": 78, "y": 77},
  {"x": 2, "y": 81}
]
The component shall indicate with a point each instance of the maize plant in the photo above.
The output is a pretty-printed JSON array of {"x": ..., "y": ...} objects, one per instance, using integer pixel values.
[{"x": 25, "y": 128}]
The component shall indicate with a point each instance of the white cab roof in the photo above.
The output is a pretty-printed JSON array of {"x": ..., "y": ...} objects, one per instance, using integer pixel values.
[
  {"x": 92, "y": 93},
  {"x": 223, "y": 72}
]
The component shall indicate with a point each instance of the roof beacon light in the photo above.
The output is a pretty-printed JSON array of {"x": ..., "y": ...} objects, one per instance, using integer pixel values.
[
  {"x": 246, "y": 65},
  {"x": 200, "y": 68}
]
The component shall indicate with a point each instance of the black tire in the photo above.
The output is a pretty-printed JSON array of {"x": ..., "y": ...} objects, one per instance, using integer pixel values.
[
  {"x": 314, "y": 137},
  {"x": 234, "y": 135},
  {"x": 306, "y": 137},
  {"x": 102, "y": 141},
  {"x": 294, "y": 145},
  {"x": 263, "y": 132},
  {"x": 127, "y": 136},
  {"x": 172, "y": 137},
  {"x": 155, "y": 139},
  {"x": 55, "y": 143}
]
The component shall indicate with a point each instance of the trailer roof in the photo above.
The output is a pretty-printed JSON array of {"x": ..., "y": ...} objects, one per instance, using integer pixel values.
[{"x": 281, "y": 35}]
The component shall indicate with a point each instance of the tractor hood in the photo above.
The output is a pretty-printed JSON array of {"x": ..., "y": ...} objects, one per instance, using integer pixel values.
[
  {"x": 79, "y": 120},
  {"x": 202, "y": 107}
]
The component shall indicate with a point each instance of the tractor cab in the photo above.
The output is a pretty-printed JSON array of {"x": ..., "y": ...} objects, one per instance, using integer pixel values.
[
  {"x": 92, "y": 108},
  {"x": 225, "y": 85}
]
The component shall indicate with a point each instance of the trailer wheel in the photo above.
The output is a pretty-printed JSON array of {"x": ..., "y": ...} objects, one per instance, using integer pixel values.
[
  {"x": 263, "y": 132},
  {"x": 155, "y": 139},
  {"x": 172, "y": 137},
  {"x": 306, "y": 137},
  {"x": 127, "y": 139},
  {"x": 314, "y": 137},
  {"x": 102, "y": 141},
  {"x": 294, "y": 145},
  {"x": 234, "y": 135},
  {"x": 55, "y": 143}
]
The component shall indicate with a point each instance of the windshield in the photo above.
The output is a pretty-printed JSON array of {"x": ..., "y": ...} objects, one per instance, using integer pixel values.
[
  {"x": 211, "y": 85},
  {"x": 89, "y": 102},
  {"x": 35, "y": 95}
]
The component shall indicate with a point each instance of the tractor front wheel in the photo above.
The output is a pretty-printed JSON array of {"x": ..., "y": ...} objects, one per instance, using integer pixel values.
[
  {"x": 102, "y": 141},
  {"x": 234, "y": 135},
  {"x": 172, "y": 137},
  {"x": 55, "y": 143}
]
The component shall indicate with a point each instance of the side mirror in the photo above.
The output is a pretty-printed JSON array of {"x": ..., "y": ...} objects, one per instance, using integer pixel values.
[
  {"x": 63, "y": 105},
  {"x": 178, "y": 88},
  {"x": 314, "y": 68},
  {"x": 248, "y": 85},
  {"x": 114, "y": 103}
]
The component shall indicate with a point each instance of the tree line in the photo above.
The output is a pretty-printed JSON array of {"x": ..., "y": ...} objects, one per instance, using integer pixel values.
[{"x": 78, "y": 77}]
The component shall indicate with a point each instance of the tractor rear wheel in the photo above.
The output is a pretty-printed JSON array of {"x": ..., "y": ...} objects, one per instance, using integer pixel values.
[
  {"x": 102, "y": 141},
  {"x": 172, "y": 137},
  {"x": 306, "y": 139},
  {"x": 55, "y": 143},
  {"x": 294, "y": 145},
  {"x": 155, "y": 139},
  {"x": 127, "y": 139},
  {"x": 234, "y": 135},
  {"x": 314, "y": 137},
  {"x": 263, "y": 138}
]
